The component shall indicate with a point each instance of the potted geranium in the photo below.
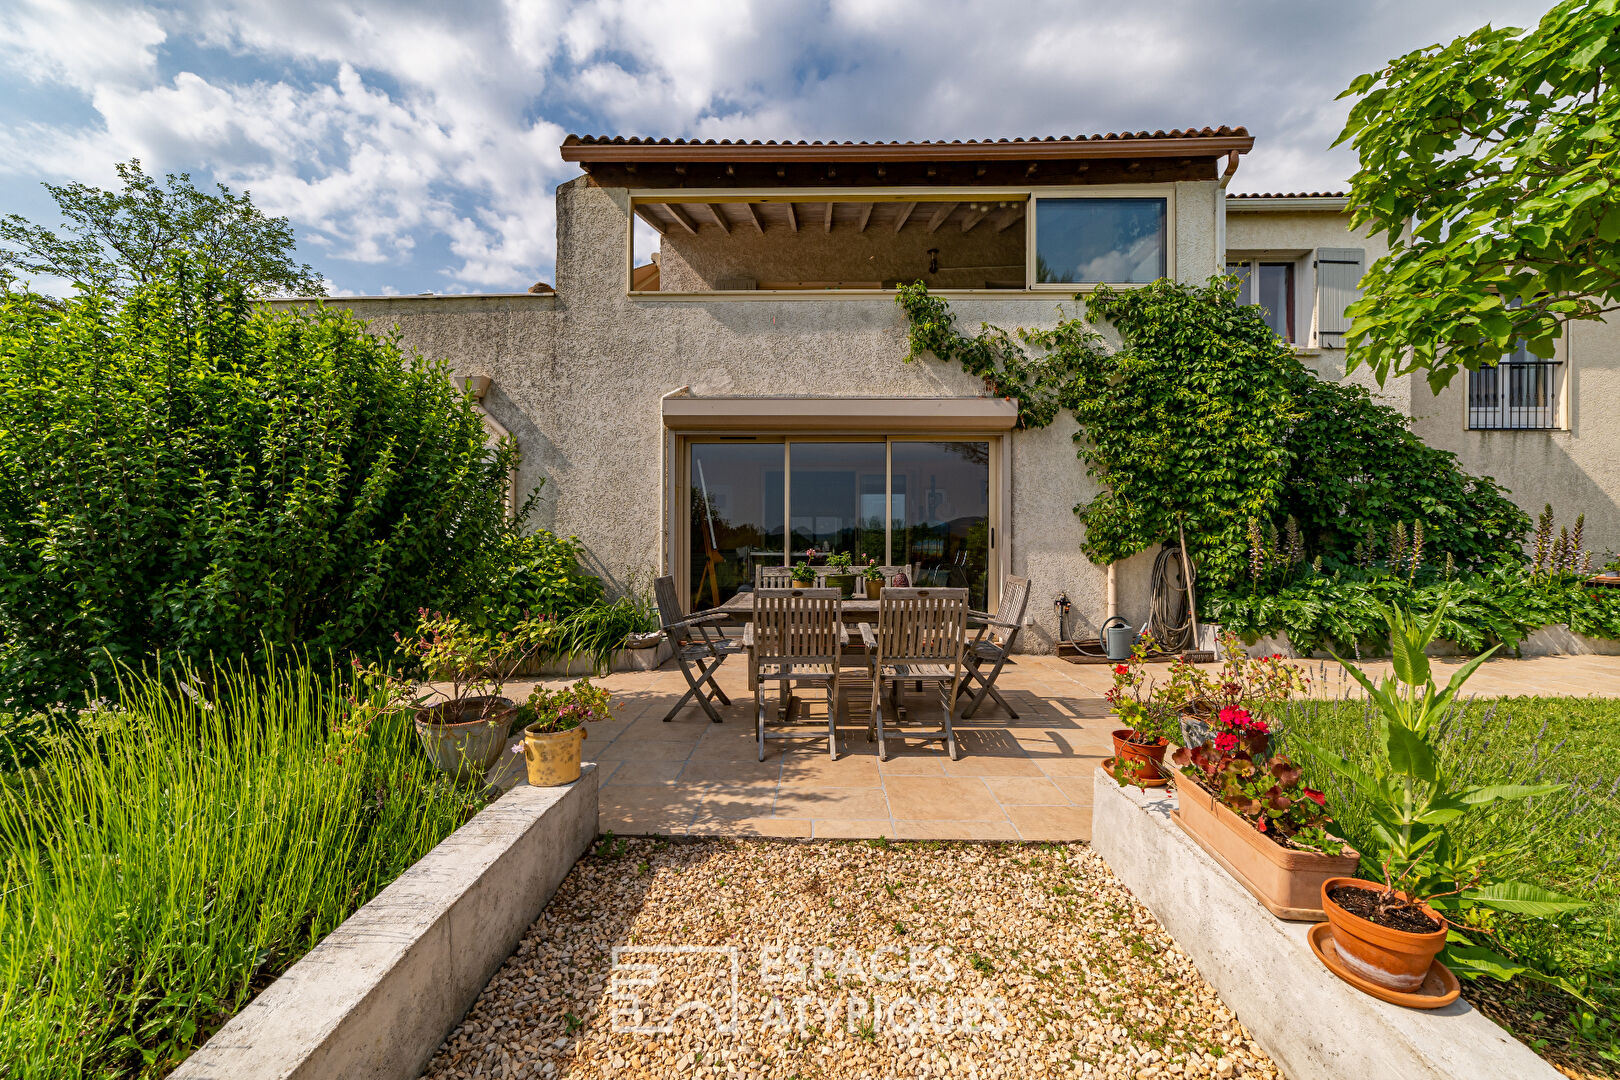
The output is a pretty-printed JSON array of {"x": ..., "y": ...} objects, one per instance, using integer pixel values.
[
  {"x": 842, "y": 578},
  {"x": 554, "y": 728},
  {"x": 1139, "y": 746},
  {"x": 467, "y": 730},
  {"x": 874, "y": 579},
  {"x": 1242, "y": 681},
  {"x": 804, "y": 574},
  {"x": 1253, "y": 813}
]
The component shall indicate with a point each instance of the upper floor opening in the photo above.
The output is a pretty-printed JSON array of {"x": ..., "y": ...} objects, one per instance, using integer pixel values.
[{"x": 749, "y": 219}]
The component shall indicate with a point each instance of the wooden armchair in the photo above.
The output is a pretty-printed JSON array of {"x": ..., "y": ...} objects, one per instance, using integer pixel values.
[
  {"x": 700, "y": 648},
  {"x": 797, "y": 637},
  {"x": 919, "y": 638},
  {"x": 993, "y": 645}
]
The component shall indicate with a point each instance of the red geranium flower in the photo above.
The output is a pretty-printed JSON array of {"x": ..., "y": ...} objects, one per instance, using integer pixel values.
[
  {"x": 1122, "y": 669},
  {"x": 1226, "y": 742}
]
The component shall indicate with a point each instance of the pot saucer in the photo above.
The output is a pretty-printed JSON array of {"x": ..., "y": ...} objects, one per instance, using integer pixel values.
[
  {"x": 1440, "y": 987},
  {"x": 1156, "y": 782}
]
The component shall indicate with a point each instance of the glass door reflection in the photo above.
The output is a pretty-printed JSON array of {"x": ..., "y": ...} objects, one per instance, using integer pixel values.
[
  {"x": 736, "y": 502},
  {"x": 940, "y": 514},
  {"x": 835, "y": 491}
]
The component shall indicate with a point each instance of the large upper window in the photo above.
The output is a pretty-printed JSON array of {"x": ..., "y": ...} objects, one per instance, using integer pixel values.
[{"x": 1096, "y": 241}]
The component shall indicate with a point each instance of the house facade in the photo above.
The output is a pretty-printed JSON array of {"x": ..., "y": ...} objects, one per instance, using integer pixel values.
[{"x": 717, "y": 380}]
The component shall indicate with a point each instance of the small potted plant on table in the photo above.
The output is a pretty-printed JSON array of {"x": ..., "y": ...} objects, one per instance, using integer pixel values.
[
  {"x": 874, "y": 579},
  {"x": 842, "y": 578},
  {"x": 804, "y": 575},
  {"x": 1139, "y": 746},
  {"x": 554, "y": 728},
  {"x": 466, "y": 732}
]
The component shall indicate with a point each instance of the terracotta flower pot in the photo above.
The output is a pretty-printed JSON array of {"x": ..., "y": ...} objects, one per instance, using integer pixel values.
[
  {"x": 1146, "y": 756},
  {"x": 1387, "y": 957},
  {"x": 1286, "y": 880},
  {"x": 460, "y": 746},
  {"x": 552, "y": 758}
]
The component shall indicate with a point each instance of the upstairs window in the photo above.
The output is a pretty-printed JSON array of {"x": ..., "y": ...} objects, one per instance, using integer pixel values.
[
  {"x": 1519, "y": 394},
  {"x": 1270, "y": 285},
  {"x": 1095, "y": 241}
]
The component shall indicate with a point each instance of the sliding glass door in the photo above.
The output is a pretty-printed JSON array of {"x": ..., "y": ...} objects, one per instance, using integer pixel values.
[{"x": 756, "y": 502}]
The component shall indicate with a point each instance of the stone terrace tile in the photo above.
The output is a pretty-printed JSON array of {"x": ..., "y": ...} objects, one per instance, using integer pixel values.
[{"x": 1028, "y": 778}]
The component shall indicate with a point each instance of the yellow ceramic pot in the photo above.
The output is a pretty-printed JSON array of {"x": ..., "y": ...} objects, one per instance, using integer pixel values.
[{"x": 552, "y": 758}]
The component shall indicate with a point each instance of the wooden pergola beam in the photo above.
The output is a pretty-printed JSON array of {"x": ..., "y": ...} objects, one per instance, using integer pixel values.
[
  {"x": 1011, "y": 216},
  {"x": 681, "y": 216},
  {"x": 866, "y": 216},
  {"x": 759, "y": 220},
  {"x": 827, "y": 227},
  {"x": 903, "y": 215},
  {"x": 940, "y": 215},
  {"x": 644, "y": 212},
  {"x": 793, "y": 219},
  {"x": 720, "y": 218},
  {"x": 973, "y": 218}
]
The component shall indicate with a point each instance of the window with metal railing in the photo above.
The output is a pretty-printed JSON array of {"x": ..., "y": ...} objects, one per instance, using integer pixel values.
[{"x": 1519, "y": 394}]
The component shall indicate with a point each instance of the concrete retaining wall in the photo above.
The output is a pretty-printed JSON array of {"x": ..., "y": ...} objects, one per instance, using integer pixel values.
[
  {"x": 1314, "y": 1026},
  {"x": 375, "y": 998}
]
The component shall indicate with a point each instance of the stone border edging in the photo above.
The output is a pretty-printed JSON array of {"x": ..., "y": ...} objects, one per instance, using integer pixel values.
[
  {"x": 1312, "y": 1024},
  {"x": 375, "y": 998}
]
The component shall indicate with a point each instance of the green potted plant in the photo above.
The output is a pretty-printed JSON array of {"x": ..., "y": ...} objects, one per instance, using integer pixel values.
[
  {"x": 467, "y": 730},
  {"x": 874, "y": 579},
  {"x": 554, "y": 729},
  {"x": 842, "y": 578},
  {"x": 804, "y": 574},
  {"x": 1389, "y": 932}
]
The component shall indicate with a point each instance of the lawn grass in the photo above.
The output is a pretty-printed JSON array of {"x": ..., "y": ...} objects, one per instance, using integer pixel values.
[
  {"x": 1569, "y": 842},
  {"x": 169, "y": 856}
]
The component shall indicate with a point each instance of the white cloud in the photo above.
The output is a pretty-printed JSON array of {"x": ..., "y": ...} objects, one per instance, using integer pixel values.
[{"x": 421, "y": 138}]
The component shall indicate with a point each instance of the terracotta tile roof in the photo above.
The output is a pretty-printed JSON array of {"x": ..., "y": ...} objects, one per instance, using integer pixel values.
[
  {"x": 1175, "y": 133},
  {"x": 1199, "y": 142},
  {"x": 1289, "y": 195}
]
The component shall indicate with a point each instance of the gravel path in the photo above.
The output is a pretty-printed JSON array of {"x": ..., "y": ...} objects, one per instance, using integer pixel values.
[{"x": 852, "y": 960}]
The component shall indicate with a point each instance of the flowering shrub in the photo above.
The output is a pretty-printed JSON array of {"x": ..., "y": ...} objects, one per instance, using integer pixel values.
[
  {"x": 476, "y": 664},
  {"x": 553, "y": 711},
  {"x": 1212, "y": 699},
  {"x": 1268, "y": 793}
]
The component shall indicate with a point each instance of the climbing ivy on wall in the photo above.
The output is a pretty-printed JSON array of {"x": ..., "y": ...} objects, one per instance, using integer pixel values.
[{"x": 1204, "y": 418}]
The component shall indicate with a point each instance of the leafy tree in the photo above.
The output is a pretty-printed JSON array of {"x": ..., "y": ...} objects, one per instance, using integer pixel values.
[
  {"x": 192, "y": 473},
  {"x": 1204, "y": 419},
  {"x": 116, "y": 241},
  {"x": 1492, "y": 164}
]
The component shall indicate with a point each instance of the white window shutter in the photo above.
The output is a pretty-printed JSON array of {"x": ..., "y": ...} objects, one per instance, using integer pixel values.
[{"x": 1338, "y": 284}]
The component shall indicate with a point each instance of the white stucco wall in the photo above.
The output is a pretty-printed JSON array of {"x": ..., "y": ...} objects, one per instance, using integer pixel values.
[{"x": 578, "y": 379}]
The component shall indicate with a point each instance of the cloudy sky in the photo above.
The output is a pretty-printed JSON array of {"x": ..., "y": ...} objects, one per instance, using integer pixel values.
[{"x": 414, "y": 145}]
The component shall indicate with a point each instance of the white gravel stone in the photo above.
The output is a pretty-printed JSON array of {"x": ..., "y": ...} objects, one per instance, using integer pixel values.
[{"x": 853, "y": 960}]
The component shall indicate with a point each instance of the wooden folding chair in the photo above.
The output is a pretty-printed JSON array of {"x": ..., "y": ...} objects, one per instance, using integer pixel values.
[
  {"x": 797, "y": 637},
  {"x": 700, "y": 648},
  {"x": 993, "y": 645},
  {"x": 919, "y": 638}
]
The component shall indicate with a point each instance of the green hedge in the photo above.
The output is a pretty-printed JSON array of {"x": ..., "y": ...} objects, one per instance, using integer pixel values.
[{"x": 194, "y": 475}]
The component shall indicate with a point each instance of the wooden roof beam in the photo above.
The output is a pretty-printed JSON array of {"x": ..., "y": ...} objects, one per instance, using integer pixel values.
[
  {"x": 720, "y": 218},
  {"x": 793, "y": 220},
  {"x": 685, "y": 219},
  {"x": 903, "y": 215},
  {"x": 644, "y": 212},
  {"x": 973, "y": 218},
  {"x": 759, "y": 220},
  {"x": 1012, "y": 216},
  {"x": 866, "y": 216},
  {"x": 940, "y": 215},
  {"x": 827, "y": 227}
]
